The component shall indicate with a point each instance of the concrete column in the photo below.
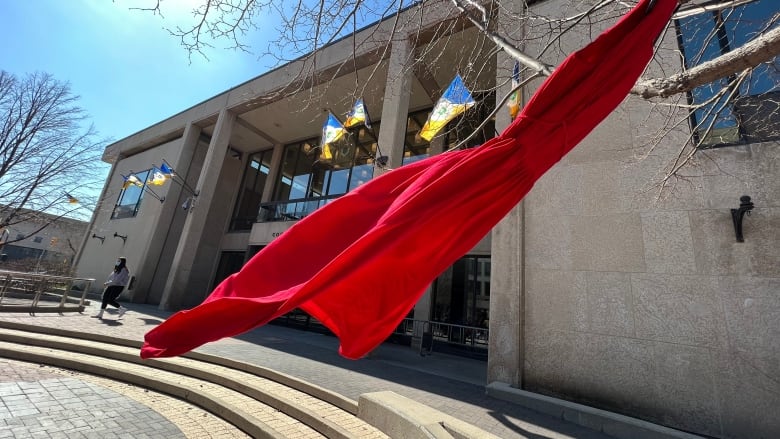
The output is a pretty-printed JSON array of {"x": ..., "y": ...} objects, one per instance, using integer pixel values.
[
  {"x": 273, "y": 174},
  {"x": 506, "y": 345},
  {"x": 395, "y": 106},
  {"x": 180, "y": 282},
  {"x": 162, "y": 225},
  {"x": 437, "y": 145},
  {"x": 422, "y": 313}
]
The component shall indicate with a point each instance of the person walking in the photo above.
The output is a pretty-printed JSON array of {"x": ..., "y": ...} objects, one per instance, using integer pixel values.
[{"x": 114, "y": 285}]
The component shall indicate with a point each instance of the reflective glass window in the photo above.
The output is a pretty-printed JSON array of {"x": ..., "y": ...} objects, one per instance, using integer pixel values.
[
  {"x": 130, "y": 197},
  {"x": 735, "y": 109}
]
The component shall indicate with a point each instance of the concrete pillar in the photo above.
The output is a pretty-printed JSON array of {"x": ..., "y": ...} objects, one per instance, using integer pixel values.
[
  {"x": 180, "y": 282},
  {"x": 437, "y": 145},
  {"x": 395, "y": 106},
  {"x": 273, "y": 174},
  {"x": 422, "y": 313},
  {"x": 162, "y": 225},
  {"x": 506, "y": 345}
]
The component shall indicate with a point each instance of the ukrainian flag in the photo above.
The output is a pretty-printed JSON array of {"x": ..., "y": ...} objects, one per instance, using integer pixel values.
[
  {"x": 358, "y": 115},
  {"x": 332, "y": 131},
  {"x": 455, "y": 100}
]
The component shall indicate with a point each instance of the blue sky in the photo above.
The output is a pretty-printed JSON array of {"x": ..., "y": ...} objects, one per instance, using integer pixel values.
[{"x": 127, "y": 69}]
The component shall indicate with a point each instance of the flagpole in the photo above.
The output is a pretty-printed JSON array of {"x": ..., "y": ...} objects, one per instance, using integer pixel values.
[
  {"x": 154, "y": 194},
  {"x": 181, "y": 183}
]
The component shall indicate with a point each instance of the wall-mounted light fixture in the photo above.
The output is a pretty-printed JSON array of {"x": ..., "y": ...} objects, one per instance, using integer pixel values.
[
  {"x": 101, "y": 238},
  {"x": 745, "y": 206},
  {"x": 124, "y": 237}
]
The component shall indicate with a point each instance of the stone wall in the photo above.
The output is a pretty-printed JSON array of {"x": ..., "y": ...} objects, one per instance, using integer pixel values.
[{"x": 637, "y": 297}]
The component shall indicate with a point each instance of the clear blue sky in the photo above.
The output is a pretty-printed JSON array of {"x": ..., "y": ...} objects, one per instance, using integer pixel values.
[{"x": 127, "y": 69}]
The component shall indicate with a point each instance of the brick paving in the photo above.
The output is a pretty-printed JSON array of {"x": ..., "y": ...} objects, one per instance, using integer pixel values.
[{"x": 451, "y": 384}]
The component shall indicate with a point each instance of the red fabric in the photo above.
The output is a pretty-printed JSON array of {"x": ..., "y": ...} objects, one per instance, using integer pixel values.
[{"x": 360, "y": 263}]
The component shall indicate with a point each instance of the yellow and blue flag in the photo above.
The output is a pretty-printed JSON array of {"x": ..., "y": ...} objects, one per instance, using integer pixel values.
[
  {"x": 332, "y": 131},
  {"x": 358, "y": 114},
  {"x": 131, "y": 179},
  {"x": 166, "y": 170},
  {"x": 158, "y": 178},
  {"x": 71, "y": 198},
  {"x": 455, "y": 100},
  {"x": 514, "y": 100}
]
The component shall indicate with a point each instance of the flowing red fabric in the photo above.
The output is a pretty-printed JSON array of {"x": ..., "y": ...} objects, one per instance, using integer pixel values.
[{"x": 360, "y": 263}]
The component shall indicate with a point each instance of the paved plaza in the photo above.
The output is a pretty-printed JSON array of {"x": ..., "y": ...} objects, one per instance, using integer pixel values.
[{"x": 43, "y": 401}]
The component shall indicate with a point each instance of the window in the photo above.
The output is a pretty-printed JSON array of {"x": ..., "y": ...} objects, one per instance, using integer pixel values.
[
  {"x": 255, "y": 177},
  {"x": 462, "y": 292},
  {"x": 735, "y": 109},
  {"x": 130, "y": 198},
  {"x": 310, "y": 177},
  {"x": 37, "y": 239},
  {"x": 415, "y": 147}
]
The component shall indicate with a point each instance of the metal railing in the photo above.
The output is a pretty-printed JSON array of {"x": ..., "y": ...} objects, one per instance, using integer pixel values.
[
  {"x": 292, "y": 210},
  {"x": 463, "y": 335},
  {"x": 36, "y": 292}
]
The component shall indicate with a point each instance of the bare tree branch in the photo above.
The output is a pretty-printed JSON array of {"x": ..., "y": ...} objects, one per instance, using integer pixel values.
[{"x": 762, "y": 49}]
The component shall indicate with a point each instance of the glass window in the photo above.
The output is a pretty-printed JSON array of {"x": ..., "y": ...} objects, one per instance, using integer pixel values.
[
  {"x": 462, "y": 293},
  {"x": 415, "y": 147},
  {"x": 130, "y": 198},
  {"x": 312, "y": 176},
  {"x": 250, "y": 197},
  {"x": 309, "y": 172},
  {"x": 735, "y": 109}
]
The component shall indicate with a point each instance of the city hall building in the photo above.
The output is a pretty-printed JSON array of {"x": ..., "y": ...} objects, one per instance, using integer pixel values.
[{"x": 598, "y": 288}]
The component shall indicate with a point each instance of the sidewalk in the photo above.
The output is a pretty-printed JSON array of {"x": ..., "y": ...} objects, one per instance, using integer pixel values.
[{"x": 450, "y": 384}]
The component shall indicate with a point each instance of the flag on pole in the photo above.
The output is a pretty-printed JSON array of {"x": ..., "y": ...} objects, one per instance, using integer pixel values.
[
  {"x": 326, "y": 153},
  {"x": 514, "y": 100},
  {"x": 358, "y": 114},
  {"x": 166, "y": 170},
  {"x": 131, "y": 179},
  {"x": 157, "y": 178},
  {"x": 424, "y": 215},
  {"x": 455, "y": 100},
  {"x": 332, "y": 131},
  {"x": 71, "y": 198}
]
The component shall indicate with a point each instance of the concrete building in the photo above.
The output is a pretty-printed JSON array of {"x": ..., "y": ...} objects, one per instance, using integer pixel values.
[
  {"x": 595, "y": 289},
  {"x": 44, "y": 243}
]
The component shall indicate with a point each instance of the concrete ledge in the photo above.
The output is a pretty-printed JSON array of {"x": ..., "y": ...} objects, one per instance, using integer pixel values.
[
  {"x": 401, "y": 417},
  {"x": 613, "y": 424}
]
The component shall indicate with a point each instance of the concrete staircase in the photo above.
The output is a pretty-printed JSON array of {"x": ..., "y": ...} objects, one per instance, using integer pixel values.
[{"x": 260, "y": 402}]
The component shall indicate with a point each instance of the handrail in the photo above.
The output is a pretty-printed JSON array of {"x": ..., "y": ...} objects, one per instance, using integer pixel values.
[
  {"x": 465, "y": 335},
  {"x": 291, "y": 210},
  {"x": 31, "y": 292}
]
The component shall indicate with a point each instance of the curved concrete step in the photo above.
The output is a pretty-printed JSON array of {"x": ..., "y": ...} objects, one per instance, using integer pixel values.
[{"x": 260, "y": 402}]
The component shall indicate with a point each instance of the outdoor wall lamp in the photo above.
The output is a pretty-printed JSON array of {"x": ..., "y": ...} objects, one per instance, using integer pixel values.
[
  {"x": 745, "y": 206},
  {"x": 124, "y": 237},
  {"x": 101, "y": 238}
]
